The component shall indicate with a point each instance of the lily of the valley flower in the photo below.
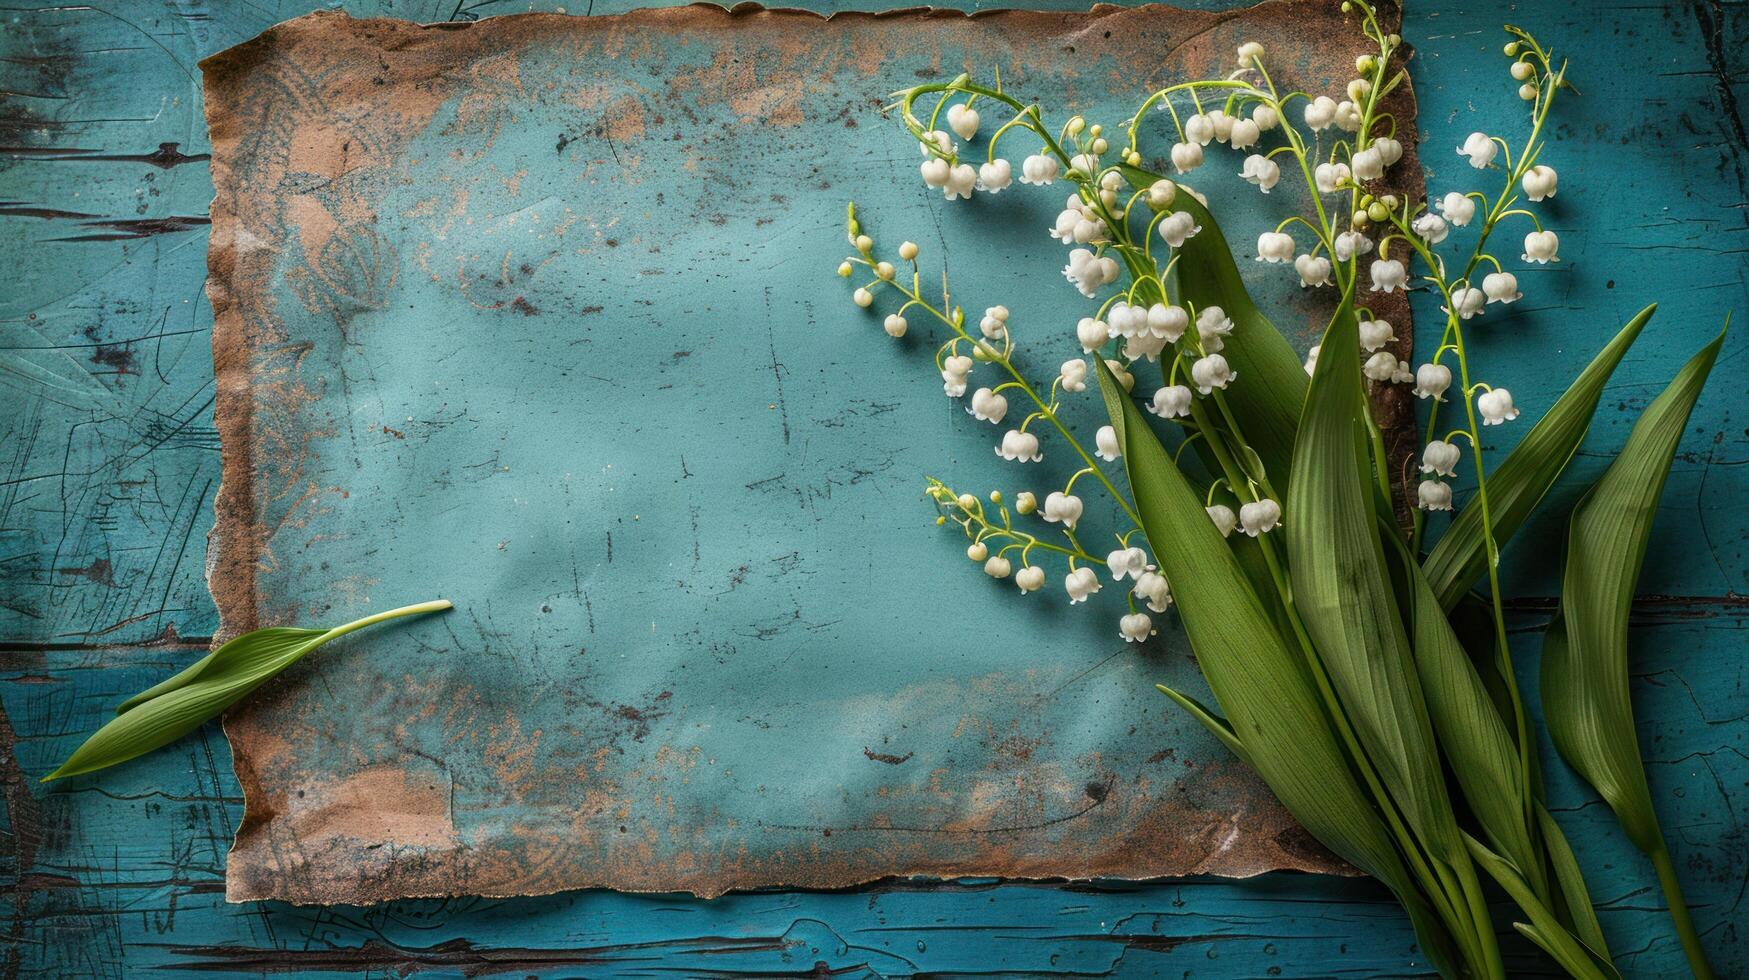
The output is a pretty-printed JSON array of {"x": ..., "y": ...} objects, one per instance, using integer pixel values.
[
  {"x": 1245, "y": 134},
  {"x": 1457, "y": 208},
  {"x": 1501, "y": 287},
  {"x": 1161, "y": 193},
  {"x": 1440, "y": 457},
  {"x": 1433, "y": 495},
  {"x": 1347, "y": 116},
  {"x": 1261, "y": 171},
  {"x": 987, "y": 406},
  {"x": 1432, "y": 227},
  {"x": 1039, "y": 169},
  {"x": 1320, "y": 113},
  {"x": 1122, "y": 374},
  {"x": 1072, "y": 376},
  {"x": 1063, "y": 508},
  {"x": 1351, "y": 243},
  {"x": 997, "y": 567},
  {"x": 895, "y": 325},
  {"x": 1135, "y": 627},
  {"x": 1275, "y": 246},
  {"x": 1212, "y": 325},
  {"x": 1167, "y": 322},
  {"x": 1539, "y": 182},
  {"x": 978, "y": 551},
  {"x": 1314, "y": 270},
  {"x": 1259, "y": 517},
  {"x": 1131, "y": 562},
  {"x": 1223, "y": 519},
  {"x": 1381, "y": 367},
  {"x": 1080, "y": 583},
  {"x": 1431, "y": 381},
  {"x": 994, "y": 323},
  {"x": 1211, "y": 372},
  {"x": 862, "y": 298},
  {"x": 936, "y": 172},
  {"x": 1390, "y": 150},
  {"x": 1479, "y": 148},
  {"x": 953, "y": 374},
  {"x": 1170, "y": 402},
  {"x": 1019, "y": 446},
  {"x": 1265, "y": 117},
  {"x": 995, "y": 175},
  {"x": 1153, "y": 588},
  {"x": 963, "y": 120},
  {"x": 1375, "y": 334},
  {"x": 1368, "y": 164},
  {"x": 1330, "y": 177},
  {"x": 961, "y": 181},
  {"x": 1177, "y": 228},
  {"x": 1087, "y": 272},
  {"x": 1199, "y": 129},
  {"x": 1312, "y": 360},
  {"x": 1541, "y": 247},
  {"x": 1466, "y": 300},
  {"x": 1186, "y": 157},
  {"x": 1030, "y": 579},
  {"x": 1092, "y": 334},
  {"x": 1105, "y": 444},
  {"x": 1496, "y": 407},
  {"x": 1388, "y": 274}
]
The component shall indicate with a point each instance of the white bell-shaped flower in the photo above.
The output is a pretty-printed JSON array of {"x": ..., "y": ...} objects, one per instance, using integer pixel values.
[
  {"x": 1368, "y": 164},
  {"x": 1261, "y": 171},
  {"x": 1212, "y": 326},
  {"x": 942, "y": 142},
  {"x": 1088, "y": 272},
  {"x": 1153, "y": 588},
  {"x": 1199, "y": 129},
  {"x": 1381, "y": 367},
  {"x": 1039, "y": 170},
  {"x": 1259, "y": 517},
  {"x": 994, "y": 324},
  {"x": 1223, "y": 124},
  {"x": 1223, "y": 519},
  {"x": 1123, "y": 376},
  {"x": 978, "y": 551},
  {"x": 953, "y": 374},
  {"x": 862, "y": 297},
  {"x": 963, "y": 120},
  {"x": 1245, "y": 134},
  {"x": 997, "y": 567},
  {"x": 1314, "y": 270},
  {"x": 1312, "y": 360},
  {"x": 1388, "y": 274},
  {"x": 1496, "y": 407},
  {"x": 1211, "y": 372},
  {"x": 1161, "y": 193},
  {"x": 1390, "y": 150},
  {"x": 1501, "y": 287},
  {"x": 961, "y": 181},
  {"x": 1330, "y": 177},
  {"x": 1186, "y": 157},
  {"x": 1350, "y": 244},
  {"x": 1063, "y": 508},
  {"x": 936, "y": 172},
  {"x": 988, "y": 406},
  {"x": 1479, "y": 148},
  {"x": 1466, "y": 300},
  {"x": 1541, "y": 247},
  {"x": 1440, "y": 457},
  {"x": 1030, "y": 579},
  {"x": 1177, "y": 228},
  {"x": 1092, "y": 334},
  {"x": 1167, "y": 322},
  {"x": 1080, "y": 583},
  {"x": 895, "y": 325},
  {"x": 1131, "y": 562},
  {"x": 1265, "y": 117},
  {"x": 1105, "y": 444},
  {"x": 1073, "y": 375},
  {"x": 1347, "y": 116},
  {"x": 1171, "y": 402},
  {"x": 1375, "y": 334},
  {"x": 1084, "y": 162},
  {"x": 1539, "y": 182},
  {"x": 1144, "y": 345},
  {"x": 1135, "y": 627},
  {"x": 1433, "y": 495},
  {"x": 1320, "y": 113},
  {"x": 1275, "y": 246},
  {"x": 1457, "y": 208},
  {"x": 995, "y": 176},
  {"x": 1432, "y": 227},
  {"x": 1431, "y": 381},
  {"x": 1019, "y": 446}
]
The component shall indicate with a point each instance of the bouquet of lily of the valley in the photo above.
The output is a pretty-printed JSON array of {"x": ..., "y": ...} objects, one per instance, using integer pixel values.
[{"x": 1364, "y": 680}]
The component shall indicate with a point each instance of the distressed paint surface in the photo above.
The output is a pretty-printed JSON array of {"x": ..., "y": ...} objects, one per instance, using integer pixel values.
[
  {"x": 568, "y": 282},
  {"x": 110, "y": 462}
]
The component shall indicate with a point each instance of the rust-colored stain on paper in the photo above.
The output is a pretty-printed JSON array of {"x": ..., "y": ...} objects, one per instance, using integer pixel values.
[{"x": 537, "y": 314}]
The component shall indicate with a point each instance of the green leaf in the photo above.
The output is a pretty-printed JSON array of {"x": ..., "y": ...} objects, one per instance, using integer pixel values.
[
  {"x": 1217, "y": 726},
  {"x": 1261, "y": 685},
  {"x": 1575, "y": 896},
  {"x": 1345, "y": 599},
  {"x": 1268, "y": 399},
  {"x": 1585, "y": 653},
  {"x": 169, "y": 710},
  {"x": 1521, "y": 480},
  {"x": 1545, "y": 929}
]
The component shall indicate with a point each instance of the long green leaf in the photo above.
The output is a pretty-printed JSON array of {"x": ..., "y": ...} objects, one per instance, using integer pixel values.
[
  {"x": 1546, "y": 930},
  {"x": 1521, "y": 480},
  {"x": 1345, "y": 599},
  {"x": 169, "y": 710},
  {"x": 1218, "y": 727},
  {"x": 1261, "y": 685},
  {"x": 1571, "y": 880},
  {"x": 1269, "y": 398},
  {"x": 1585, "y": 651}
]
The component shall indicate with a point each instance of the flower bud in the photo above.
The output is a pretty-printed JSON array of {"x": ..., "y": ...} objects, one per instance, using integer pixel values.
[
  {"x": 1025, "y": 503},
  {"x": 908, "y": 251},
  {"x": 978, "y": 551},
  {"x": 864, "y": 244},
  {"x": 844, "y": 269}
]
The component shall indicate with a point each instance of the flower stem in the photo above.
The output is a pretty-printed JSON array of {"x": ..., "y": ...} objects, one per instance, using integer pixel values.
[{"x": 1678, "y": 906}]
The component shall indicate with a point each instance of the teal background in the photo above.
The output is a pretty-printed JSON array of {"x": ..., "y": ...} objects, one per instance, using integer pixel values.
[{"x": 109, "y": 462}]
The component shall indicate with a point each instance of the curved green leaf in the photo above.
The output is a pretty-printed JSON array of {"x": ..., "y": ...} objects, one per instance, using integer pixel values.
[
  {"x": 1344, "y": 598},
  {"x": 1218, "y": 727},
  {"x": 263, "y": 644},
  {"x": 1544, "y": 929},
  {"x": 1521, "y": 480}
]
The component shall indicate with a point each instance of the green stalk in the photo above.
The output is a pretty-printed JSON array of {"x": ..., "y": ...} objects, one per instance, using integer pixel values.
[{"x": 1691, "y": 948}]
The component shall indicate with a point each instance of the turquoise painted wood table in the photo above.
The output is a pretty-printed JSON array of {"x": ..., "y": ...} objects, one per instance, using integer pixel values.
[{"x": 109, "y": 461}]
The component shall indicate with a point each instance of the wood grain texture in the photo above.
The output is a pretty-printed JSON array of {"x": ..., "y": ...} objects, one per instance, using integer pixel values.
[{"x": 108, "y": 462}]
